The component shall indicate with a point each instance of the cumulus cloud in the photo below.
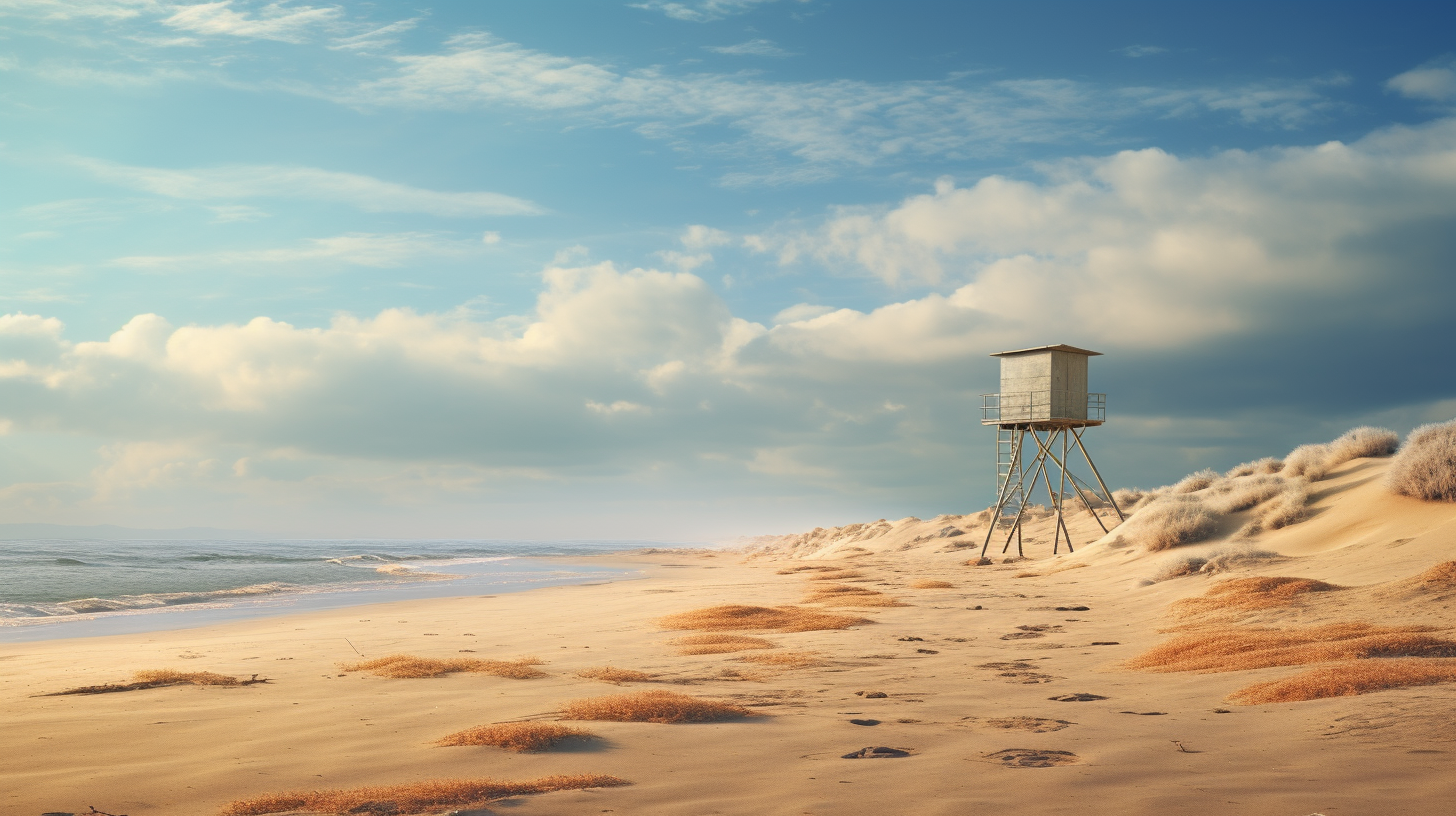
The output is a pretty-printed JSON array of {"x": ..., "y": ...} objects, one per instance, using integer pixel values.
[
  {"x": 1435, "y": 83},
  {"x": 1144, "y": 247},
  {"x": 308, "y": 183}
]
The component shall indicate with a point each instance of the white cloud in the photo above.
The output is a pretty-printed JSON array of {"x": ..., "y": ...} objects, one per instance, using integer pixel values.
[
  {"x": 89, "y": 210},
  {"x": 800, "y": 313},
  {"x": 825, "y": 125},
  {"x": 374, "y": 38},
  {"x": 1146, "y": 248},
  {"x": 701, "y": 11},
  {"x": 684, "y": 261},
  {"x": 228, "y": 213},
  {"x": 308, "y": 183},
  {"x": 751, "y": 48},
  {"x": 1142, "y": 50},
  {"x": 274, "y": 21},
  {"x": 382, "y": 250},
  {"x": 699, "y": 236},
  {"x": 62, "y": 10},
  {"x": 618, "y": 407},
  {"x": 1435, "y": 83}
]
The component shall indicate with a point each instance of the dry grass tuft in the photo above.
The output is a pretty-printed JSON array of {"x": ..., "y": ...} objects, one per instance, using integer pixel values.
[
  {"x": 927, "y": 583},
  {"x": 612, "y": 674},
  {"x": 1308, "y": 461},
  {"x": 409, "y": 666},
  {"x": 719, "y": 644},
  {"x": 1257, "y": 467},
  {"x": 1167, "y": 522},
  {"x": 845, "y": 595},
  {"x": 413, "y": 798},
  {"x": 654, "y": 707},
  {"x": 1259, "y": 592},
  {"x": 1425, "y": 467},
  {"x": 788, "y": 660},
  {"x": 1195, "y": 481},
  {"x": 1240, "y": 649},
  {"x": 1441, "y": 576},
  {"x": 729, "y": 617},
  {"x": 1315, "y": 461},
  {"x": 842, "y": 575},
  {"x": 516, "y": 736},
  {"x": 1130, "y": 499},
  {"x": 1214, "y": 563},
  {"x": 1362, "y": 442},
  {"x": 808, "y": 568},
  {"x": 1349, "y": 679},
  {"x": 1243, "y": 492}
]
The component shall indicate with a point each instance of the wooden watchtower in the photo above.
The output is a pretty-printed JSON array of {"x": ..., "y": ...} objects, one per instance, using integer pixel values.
[{"x": 1040, "y": 414}]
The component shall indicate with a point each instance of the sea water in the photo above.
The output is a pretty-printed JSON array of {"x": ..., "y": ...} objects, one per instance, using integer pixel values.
[{"x": 73, "y": 588}]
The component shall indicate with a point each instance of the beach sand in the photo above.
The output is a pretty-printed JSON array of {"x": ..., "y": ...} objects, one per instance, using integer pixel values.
[{"x": 968, "y": 692}]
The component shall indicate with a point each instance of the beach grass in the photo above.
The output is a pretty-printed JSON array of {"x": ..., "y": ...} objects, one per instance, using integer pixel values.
[
  {"x": 1349, "y": 679},
  {"x": 719, "y": 644},
  {"x": 841, "y": 575},
  {"x": 520, "y": 737},
  {"x": 428, "y": 796},
  {"x": 845, "y": 595},
  {"x": 1249, "y": 594},
  {"x": 653, "y": 707},
  {"x": 729, "y": 617},
  {"x": 612, "y": 674},
  {"x": 402, "y": 666},
  {"x": 1226, "y": 650}
]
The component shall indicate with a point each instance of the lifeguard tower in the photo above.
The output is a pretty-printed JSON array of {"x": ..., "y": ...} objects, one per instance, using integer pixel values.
[{"x": 1043, "y": 400}]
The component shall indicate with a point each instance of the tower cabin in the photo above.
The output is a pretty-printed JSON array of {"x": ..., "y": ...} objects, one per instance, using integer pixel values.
[{"x": 1044, "y": 388}]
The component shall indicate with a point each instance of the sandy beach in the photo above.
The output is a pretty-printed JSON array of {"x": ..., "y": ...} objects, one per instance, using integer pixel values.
[{"x": 967, "y": 668}]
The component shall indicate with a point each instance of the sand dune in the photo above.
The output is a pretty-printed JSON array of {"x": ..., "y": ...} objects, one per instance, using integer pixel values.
[{"x": 1015, "y": 689}]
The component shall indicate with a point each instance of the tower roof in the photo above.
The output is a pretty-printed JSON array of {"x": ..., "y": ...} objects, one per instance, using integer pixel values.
[{"x": 1058, "y": 347}]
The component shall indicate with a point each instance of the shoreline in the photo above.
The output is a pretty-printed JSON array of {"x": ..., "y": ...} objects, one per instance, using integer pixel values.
[{"x": 303, "y": 601}]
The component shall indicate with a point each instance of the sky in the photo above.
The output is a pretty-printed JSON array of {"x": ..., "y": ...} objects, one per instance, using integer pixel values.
[{"x": 686, "y": 271}]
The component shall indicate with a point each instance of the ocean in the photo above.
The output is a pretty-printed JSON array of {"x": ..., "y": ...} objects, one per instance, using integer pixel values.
[{"x": 81, "y": 588}]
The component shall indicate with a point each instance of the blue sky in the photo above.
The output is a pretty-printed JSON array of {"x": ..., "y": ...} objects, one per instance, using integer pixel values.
[{"x": 700, "y": 269}]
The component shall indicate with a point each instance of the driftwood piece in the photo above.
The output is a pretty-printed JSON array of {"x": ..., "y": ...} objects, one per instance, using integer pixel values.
[{"x": 108, "y": 688}]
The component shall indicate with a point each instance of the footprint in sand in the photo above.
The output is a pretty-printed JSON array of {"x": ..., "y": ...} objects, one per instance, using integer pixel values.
[
  {"x": 1031, "y": 758},
  {"x": 1035, "y": 725},
  {"x": 1018, "y": 671}
]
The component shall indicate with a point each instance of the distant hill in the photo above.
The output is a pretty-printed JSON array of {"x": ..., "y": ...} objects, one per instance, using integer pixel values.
[{"x": 112, "y": 532}]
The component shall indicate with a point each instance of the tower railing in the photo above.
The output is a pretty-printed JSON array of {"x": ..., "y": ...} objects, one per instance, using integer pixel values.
[{"x": 1043, "y": 406}]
